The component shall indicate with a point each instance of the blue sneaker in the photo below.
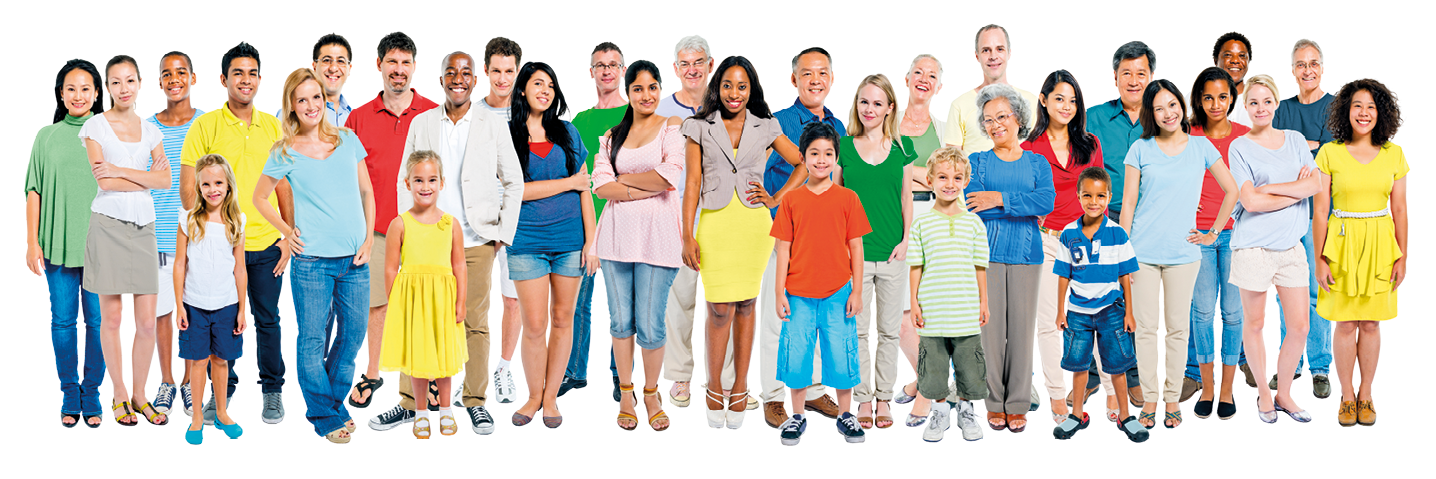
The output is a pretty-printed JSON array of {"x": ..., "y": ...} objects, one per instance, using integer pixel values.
[
  {"x": 188, "y": 398},
  {"x": 848, "y": 426},
  {"x": 164, "y": 398},
  {"x": 792, "y": 430}
]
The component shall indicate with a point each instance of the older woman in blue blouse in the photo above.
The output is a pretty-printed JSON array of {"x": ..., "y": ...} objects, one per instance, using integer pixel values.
[{"x": 1010, "y": 189}]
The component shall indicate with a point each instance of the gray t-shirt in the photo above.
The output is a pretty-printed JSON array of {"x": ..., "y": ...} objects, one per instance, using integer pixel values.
[
  {"x": 1309, "y": 120},
  {"x": 1278, "y": 230}
]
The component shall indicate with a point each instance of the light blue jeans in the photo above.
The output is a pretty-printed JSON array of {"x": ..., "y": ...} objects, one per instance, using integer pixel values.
[
  {"x": 67, "y": 300},
  {"x": 637, "y": 301},
  {"x": 1211, "y": 284},
  {"x": 1318, "y": 338},
  {"x": 322, "y": 286}
]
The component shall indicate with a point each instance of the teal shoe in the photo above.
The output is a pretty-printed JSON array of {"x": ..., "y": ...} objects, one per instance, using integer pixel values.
[
  {"x": 194, "y": 436},
  {"x": 231, "y": 430}
]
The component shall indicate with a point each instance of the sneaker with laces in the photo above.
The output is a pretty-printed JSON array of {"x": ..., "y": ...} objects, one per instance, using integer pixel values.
[
  {"x": 849, "y": 428},
  {"x": 164, "y": 398},
  {"x": 273, "y": 408},
  {"x": 504, "y": 388},
  {"x": 937, "y": 425},
  {"x": 967, "y": 421},
  {"x": 187, "y": 398},
  {"x": 391, "y": 419},
  {"x": 483, "y": 423},
  {"x": 209, "y": 413},
  {"x": 792, "y": 430}
]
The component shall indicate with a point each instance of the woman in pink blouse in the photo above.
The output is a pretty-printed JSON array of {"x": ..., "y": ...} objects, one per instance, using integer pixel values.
[{"x": 639, "y": 235}]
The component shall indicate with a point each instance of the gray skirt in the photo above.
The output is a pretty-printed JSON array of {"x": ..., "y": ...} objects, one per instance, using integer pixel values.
[{"x": 120, "y": 257}]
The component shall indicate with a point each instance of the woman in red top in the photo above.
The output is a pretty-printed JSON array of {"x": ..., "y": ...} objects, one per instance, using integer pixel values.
[
  {"x": 1213, "y": 97},
  {"x": 1060, "y": 136}
]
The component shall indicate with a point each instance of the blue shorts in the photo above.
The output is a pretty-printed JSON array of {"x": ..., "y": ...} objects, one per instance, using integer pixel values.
[
  {"x": 809, "y": 321},
  {"x": 523, "y": 267},
  {"x": 211, "y": 333},
  {"x": 1114, "y": 342}
]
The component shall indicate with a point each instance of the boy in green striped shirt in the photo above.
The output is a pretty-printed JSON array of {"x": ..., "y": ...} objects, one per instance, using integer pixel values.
[{"x": 947, "y": 250}]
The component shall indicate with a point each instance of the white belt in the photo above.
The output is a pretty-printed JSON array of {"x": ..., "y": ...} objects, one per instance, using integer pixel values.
[{"x": 1348, "y": 214}]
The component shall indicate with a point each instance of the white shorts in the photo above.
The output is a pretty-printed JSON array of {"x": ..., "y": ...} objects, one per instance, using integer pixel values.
[
  {"x": 1257, "y": 269},
  {"x": 165, "y": 301},
  {"x": 506, "y": 285}
]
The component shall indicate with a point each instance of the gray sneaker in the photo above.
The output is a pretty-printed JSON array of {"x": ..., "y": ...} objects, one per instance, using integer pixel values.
[
  {"x": 937, "y": 425},
  {"x": 967, "y": 421},
  {"x": 273, "y": 408},
  {"x": 209, "y": 410}
]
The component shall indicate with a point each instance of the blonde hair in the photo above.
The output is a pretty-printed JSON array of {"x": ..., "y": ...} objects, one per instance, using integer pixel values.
[
  {"x": 228, "y": 207},
  {"x": 948, "y": 155},
  {"x": 1263, "y": 80},
  {"x": 855, "y": 124},
  {"x": 289, "y": 120},
  {"x": 420, "y": 156}
]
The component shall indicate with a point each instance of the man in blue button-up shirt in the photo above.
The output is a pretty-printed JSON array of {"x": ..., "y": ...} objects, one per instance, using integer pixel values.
[{"x": 1116, "y": 123}]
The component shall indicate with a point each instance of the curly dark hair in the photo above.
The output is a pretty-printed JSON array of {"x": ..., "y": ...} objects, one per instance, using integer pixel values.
[
  {"x": 1388, "y": 114},
  {"x": 1227, "y": 37}
]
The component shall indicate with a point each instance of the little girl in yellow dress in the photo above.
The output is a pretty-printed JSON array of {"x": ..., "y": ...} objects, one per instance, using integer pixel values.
[{"x": 424, "y": 268}]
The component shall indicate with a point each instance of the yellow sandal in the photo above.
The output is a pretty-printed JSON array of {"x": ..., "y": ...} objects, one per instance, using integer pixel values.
[
  {"x": 660, "y": 415},
  {"x": 129, "y": 413},
  {"x": 631, "y": 420}
]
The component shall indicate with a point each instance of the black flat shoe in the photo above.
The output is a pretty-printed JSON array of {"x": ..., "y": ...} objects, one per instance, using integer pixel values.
[
  {"x": 1226, "y": 410},
  {"x": 1203, "y": 409},
  {"x": 570, "y": 383}
]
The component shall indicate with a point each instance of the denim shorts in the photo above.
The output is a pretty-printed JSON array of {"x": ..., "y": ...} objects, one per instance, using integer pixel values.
[
  {"x": 820, "y": 323},
  {"x": 638, "y": 301},
  {"x": 211, "y": 333},
  {"x": 523, "y": 267},
  {"x": 1112, "y": 340}
]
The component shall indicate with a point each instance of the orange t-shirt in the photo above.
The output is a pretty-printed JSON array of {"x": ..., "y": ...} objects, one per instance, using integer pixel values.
[{"x": 819, "y": 226}]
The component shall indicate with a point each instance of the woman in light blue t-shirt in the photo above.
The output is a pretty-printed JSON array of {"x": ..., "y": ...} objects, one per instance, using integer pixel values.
[{"x": 1164, "y": 180}]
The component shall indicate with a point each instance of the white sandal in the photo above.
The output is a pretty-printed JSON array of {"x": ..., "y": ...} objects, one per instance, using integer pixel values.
[{"x": 716, "y": 417}]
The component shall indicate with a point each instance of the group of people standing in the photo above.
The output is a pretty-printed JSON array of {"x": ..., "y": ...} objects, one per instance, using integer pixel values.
[{"x": 972, "y": 246}]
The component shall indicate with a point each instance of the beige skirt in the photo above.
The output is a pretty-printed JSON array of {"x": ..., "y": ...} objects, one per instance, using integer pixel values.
[{"x": 120, "y": 257}]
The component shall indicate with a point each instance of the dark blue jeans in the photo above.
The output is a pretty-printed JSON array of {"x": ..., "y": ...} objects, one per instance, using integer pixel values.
[
  {"x": 582, "y": 326},
  {"x": 264, "y": 289},
  {"x": 80, "y": 397}
]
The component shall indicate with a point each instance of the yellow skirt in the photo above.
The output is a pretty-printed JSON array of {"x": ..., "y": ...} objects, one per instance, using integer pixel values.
[
  {"x": 421, "y": 336},
  {"x": 1360, "y": 252},
  {"x": 733, "y": 246}
]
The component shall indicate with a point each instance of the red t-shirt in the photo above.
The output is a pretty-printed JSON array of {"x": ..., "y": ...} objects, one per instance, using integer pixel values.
[
  {"x": 819, "y": 226},
  {"x": 1212, "y": 193},
  {"x": 1065, "y": 208},
  {"x": 383, "y": 134}
]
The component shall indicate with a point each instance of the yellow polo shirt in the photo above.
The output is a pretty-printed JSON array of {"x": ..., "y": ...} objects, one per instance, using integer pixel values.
[{"x": 246, "y": 148}]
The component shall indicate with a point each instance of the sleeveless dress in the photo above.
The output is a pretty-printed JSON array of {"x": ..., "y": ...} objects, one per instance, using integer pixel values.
[
  {"x": 1360, "y": 251},
  {"x": 421, "y": 337}
]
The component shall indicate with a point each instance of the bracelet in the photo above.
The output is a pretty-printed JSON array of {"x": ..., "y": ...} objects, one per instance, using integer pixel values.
[{"x": 629, "y": 191}]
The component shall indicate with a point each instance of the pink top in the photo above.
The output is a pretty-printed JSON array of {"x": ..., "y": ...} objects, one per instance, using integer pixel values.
[{"x": 646, "y": 230}]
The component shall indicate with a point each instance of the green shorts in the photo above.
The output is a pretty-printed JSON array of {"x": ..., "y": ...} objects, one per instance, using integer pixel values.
[{"x": 969, "y": 367}]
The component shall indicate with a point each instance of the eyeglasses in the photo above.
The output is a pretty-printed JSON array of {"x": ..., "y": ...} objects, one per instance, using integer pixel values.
[
  {"x": 1304, "y": 65},
  {"x": 684, "y": 66},
  {"x": 340, "y": 62},
  {"x": 1000, "y": 118},
  {"x": 598, "y": 67}
]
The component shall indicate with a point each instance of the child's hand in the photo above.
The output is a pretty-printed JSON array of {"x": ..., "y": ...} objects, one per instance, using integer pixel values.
[
  {"x": 240, "y": 324},
  {"x": 1061, "y": 323},
  {"x": 459, "y": 312},
  {"x": 982, "y": 314},
  {"x": 782, "y": 304},
  {"x": 1129, "y": 323},
  {"x": 181, "y": 319},
  {"x": 855, "y": 303},
  {"x": 917, "y": 321}
]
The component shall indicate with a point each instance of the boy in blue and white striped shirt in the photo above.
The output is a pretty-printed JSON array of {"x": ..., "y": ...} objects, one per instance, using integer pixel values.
[{"x": 1097, "y": 264}]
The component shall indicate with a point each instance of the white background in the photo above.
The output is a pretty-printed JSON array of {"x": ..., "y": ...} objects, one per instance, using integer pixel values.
[{"x": 1361, "y": 39}]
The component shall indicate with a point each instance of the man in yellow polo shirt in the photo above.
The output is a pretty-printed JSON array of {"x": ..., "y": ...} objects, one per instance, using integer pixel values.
[{"x": 243, "y": 136}]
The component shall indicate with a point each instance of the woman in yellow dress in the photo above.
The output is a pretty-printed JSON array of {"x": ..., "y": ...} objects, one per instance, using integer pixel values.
[
  {"x": 1362, "y": 242},
  {"x": 424, "y": 268},
  {"x": 727, "y": 148}
]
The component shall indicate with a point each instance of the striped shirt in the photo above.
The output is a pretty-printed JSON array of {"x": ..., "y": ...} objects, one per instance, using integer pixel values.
[
  {"x": 1093, "y": 266},
  {"x": 167, "y": 202},
  {"x": 949, "y": 249}
]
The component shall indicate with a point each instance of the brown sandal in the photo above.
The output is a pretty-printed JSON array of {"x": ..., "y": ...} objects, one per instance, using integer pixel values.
[
  {"x": 998, "y": 425},
  {"x": 627, "y": 421},
  {"x": 884, "y": 422},
  {"x": 658, "y": 416},
  {"x": 1016, "y": 417}
]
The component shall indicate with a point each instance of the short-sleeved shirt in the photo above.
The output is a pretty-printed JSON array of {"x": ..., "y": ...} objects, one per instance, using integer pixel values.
[
  {"x": 1278, "y": 230},
  {"x": 964, "y": 121},
  {"x": 133, "y": 206},
  {"x": 1212, "y": 193},
  {"x": 949, "y": 249},
  {"x": 336, "y": 112},
  {"x": 880, "y": 189},
  {"x": 1066, "y": 207},
  {"x": 1117, "y": 132},
  {"x": 1359, "y": 188},
  {"x": 59, "y": 172},
  {"x": 1094, "y": 265},
  {"x": 649, "y": 230},
  {"x": 592, "y": 124},
  {"x": 791, "y": 120},
  {"x": 383, "y": 133},
  {"x": 1309, "y": 120},
  {"x": 1170, "y": 190},
  {"x": 819, "y": 226},
  {"x": 327, "y": 207},
  {"x": 553, "y": 224},
  {"x": 670, "y": 106},
  {"x": 167, "y": 201},
  {"x": 246, "y": 148}
]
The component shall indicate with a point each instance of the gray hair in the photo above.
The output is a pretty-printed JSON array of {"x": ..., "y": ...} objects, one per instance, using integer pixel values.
[
  {"x": 928, "y": 56},
  {"x": 1020, "y": 108},
  {"x": 1006, "y": 40},
  {"x": 1133, "y": 50},
  {"x": 1303, "y": 43},
  {"x": 692, "y": 43}
]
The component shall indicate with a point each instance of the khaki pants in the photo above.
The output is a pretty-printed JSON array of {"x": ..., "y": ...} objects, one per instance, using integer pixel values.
[
  {"x": 480, "y": 265},
  {"x": 678, "y": 354},
  {"x": 1172, "y": 285},
  {"x": 888, "y": 281},
  {"x": 770, "y": 327}
]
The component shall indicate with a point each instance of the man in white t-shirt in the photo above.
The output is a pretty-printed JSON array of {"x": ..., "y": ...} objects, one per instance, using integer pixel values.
[{"x": 501, "y": 65}]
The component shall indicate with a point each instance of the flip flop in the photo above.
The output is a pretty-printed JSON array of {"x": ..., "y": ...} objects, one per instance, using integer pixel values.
[
  {"x": 1148, "y": 416},
  {"x": 1173, "y": 419},
  {"x": 366, "y": 384}
]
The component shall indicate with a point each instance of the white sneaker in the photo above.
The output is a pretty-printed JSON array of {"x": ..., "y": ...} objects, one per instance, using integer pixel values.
[
  {"x": 937, "y": 425},
  {"x": 504, "y": 388},
  {"x": 967, "y": 421}
]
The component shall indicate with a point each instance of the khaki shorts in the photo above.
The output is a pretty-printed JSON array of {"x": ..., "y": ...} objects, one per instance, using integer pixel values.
[
  {"x": 1257, "y": 269},
  {"x": 968, "y": 366},
  {"x": 377, "y": 295}
]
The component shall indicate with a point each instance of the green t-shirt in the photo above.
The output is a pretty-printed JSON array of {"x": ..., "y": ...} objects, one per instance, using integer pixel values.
[
  {"x": 592, "y": 124},
  {"x": 59, "y": 172},
  {"x": 880, "y": 189},
  {"x": 925, "y": 144}
]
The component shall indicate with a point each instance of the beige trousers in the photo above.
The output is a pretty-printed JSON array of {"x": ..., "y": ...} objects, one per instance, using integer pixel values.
[
  {"x": 887, "y": 280},
  {"x": 1162, "y": 295}
]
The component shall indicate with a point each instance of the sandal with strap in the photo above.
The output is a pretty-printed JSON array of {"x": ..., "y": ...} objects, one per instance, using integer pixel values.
[
  {"x": 73, "y": 417},
  {"x": 338, "y": 436},
  {"x": 129, "y": 413},
  {"x": 999, "y": 424},
  {"x": 1016, "y": 417},
  {"x": 433, "y": 396},
  {"x": 447, "y": 425},
  {"x": 628, "y": 421},
  {"x": 654, "y": 418},
  {"x": 735, "y": 418},
  {"x": 152, "y": 414},
  {"x": 365, "y": 385},
  {"x": 865, "y": 421},
  {"x": 883, "y": 422},
  {"x": 1147, "y": 416},
  {"x": 1173, "y": 419},
  {"x": 421, "y": 428},
  {"x": 716, "y": 417}
]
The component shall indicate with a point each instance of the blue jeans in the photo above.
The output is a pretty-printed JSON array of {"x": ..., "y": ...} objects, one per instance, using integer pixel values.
[
  {"x": 638, "y": 300},
  {"x": 320, "y": 286},
  {"x": 1318, "y": 338},
  {"x": 1211, "y": 283},
  {"x": 582, "y": 325},
  {"x": 79, "y": 397}
]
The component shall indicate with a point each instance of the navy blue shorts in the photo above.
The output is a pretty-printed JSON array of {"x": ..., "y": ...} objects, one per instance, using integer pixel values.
[
  {"x": 211, "y": 333},
  {"x": 1114, "y": 342}
]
